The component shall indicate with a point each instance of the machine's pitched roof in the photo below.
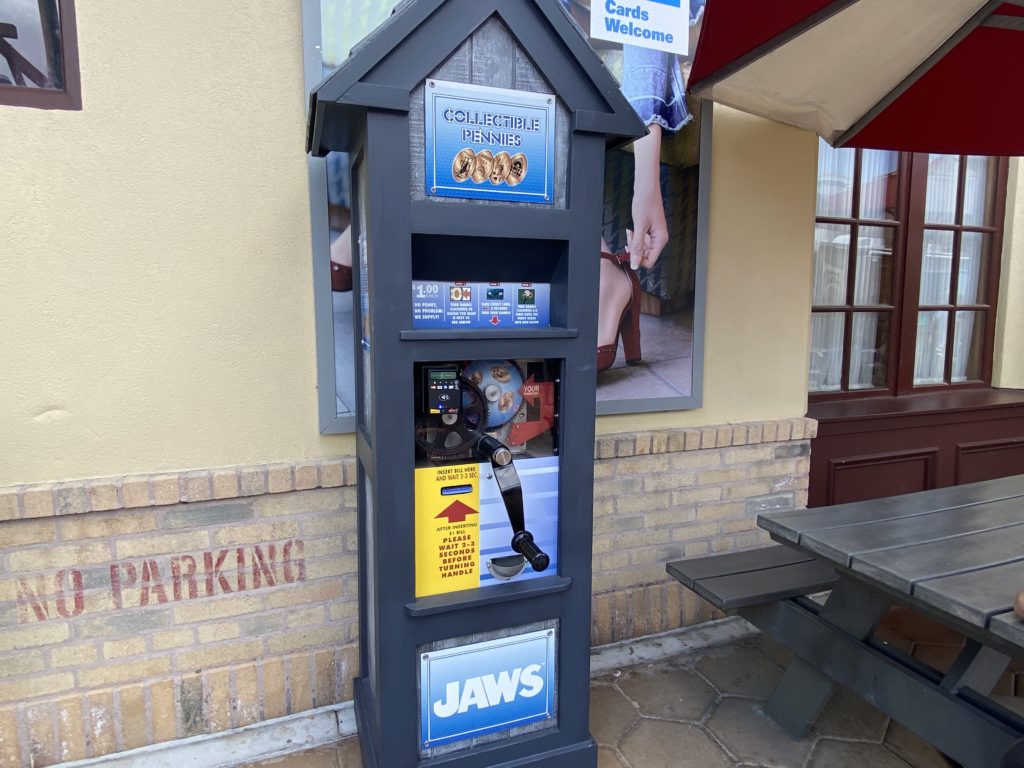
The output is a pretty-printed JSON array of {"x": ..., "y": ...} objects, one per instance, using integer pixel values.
[{"x": 384, "y": 68}]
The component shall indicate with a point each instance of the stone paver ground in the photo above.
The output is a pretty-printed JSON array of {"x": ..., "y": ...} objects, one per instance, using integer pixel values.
[{"x": 705, "y": 711}]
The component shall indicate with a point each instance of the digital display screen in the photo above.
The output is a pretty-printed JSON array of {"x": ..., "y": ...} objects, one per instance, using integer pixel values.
[{"x": 444, "y": 375}]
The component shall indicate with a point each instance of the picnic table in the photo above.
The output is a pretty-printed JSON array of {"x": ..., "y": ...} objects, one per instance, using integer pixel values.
[{"x": 954, "y": 554}]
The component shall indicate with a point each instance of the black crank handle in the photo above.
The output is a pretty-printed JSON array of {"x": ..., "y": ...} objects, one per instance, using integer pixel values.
[
  {"x": 524, "y": 544},
  {"x": 512, "y": 495}
]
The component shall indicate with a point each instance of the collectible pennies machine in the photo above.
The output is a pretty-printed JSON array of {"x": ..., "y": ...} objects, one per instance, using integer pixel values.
[{"x": 477, "y": 131}]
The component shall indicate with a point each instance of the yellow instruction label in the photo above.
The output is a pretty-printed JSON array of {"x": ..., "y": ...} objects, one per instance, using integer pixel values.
[{"x": 447, "y": 529}]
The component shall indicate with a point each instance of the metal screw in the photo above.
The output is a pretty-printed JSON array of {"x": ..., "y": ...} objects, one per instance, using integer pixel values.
[{"x": 433, "y": 189}]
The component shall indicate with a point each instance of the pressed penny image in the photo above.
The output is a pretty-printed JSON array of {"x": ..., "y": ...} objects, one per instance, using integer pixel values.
[
  {"x": 482, "y": 169},
  {"x": 502, "y": 165},
  {"x": 517, "y": 169},
  {"x": 463, "y": 164}
]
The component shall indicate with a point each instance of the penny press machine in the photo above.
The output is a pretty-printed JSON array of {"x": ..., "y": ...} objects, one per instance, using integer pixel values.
[{"x": 476, "y": 131}]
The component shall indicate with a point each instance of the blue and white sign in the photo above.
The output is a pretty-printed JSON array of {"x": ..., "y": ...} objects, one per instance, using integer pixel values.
[
  {"x": 486, "y": 143},
  {"x": 480, "y": 305},
  {"x": 481, "y": 688},
  {"x": 660, "y": 24}
]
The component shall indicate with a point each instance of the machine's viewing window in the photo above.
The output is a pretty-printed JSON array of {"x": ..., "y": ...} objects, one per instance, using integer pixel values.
[{"x": 486, "y": 473}]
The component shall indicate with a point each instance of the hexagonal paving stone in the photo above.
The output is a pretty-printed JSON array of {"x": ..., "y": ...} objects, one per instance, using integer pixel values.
[
  {"x": 852, "y": 754},
  {"x": 848, "y": 716},
  {"x": 912, "y": 749},
  {"x": 611, "y": 714},
  {"x": 672, "y": 694},
  {"x": 742, "y": 671},
  {"x": 744, "y": 729},
  {"x": 606, "y": 758},
  {"x": 658, "y": 744}
]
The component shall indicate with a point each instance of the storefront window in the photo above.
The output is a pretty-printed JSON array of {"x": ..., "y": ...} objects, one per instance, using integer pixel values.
[
  {"x": 39, "y": 54},
  {"x": 905, "y": 271}
]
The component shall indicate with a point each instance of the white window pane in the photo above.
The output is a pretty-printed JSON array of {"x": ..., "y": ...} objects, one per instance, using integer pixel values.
[
  {"x": 940, "y": 197},
  {"x": 979, "y": 189},
  {"x": 936, "y": 267},
  {"x": 873, "y": 284},
  {"x": 974, "y": 253},
  {"x": 826, "y": 364},
  {"x": 968, "y": 335},
  {"x": 831, "y": 264},
  {"x": 835, "y": 180},
  {"x": 869, "y": 347},
  {"x": 878, "y": 184},
  {"x": 930, "y": 357}
]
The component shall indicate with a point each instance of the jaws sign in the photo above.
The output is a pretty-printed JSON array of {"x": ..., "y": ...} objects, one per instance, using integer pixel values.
[
  {"x": 487, "y": 691},
  {"x": 487, "y": 687}
]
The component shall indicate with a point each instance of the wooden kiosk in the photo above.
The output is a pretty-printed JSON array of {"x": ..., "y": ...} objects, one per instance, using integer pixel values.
[{"x": 477, "y": 131}]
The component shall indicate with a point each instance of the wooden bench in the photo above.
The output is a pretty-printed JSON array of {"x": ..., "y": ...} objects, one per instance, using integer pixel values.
[{"x": 740, "y": 579}]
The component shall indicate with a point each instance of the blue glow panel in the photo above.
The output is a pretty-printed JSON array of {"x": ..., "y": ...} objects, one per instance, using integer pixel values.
[{"x": 481, "y": 688}]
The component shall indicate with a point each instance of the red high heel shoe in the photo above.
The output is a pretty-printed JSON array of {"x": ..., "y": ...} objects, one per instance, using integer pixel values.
[{"x": 629, "y": 324}]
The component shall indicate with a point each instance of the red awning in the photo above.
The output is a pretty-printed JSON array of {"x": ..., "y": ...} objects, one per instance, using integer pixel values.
[{"x": 940, "y": 76}]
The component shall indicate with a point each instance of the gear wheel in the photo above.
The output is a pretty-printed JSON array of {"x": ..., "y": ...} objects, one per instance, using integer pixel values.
[{"x": 438, "y": 441}]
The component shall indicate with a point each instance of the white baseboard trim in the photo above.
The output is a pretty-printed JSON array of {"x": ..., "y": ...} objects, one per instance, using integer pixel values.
[
  {"x": 238, "y": 746},
  {"x": 316, "y": 727},
  {"x": 654, "y": 648}
]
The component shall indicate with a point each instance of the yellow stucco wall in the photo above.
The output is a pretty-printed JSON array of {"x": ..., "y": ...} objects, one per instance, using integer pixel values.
[
  {"x": 155, "y": 287},
  {"x": 1008, "y": 368},
  {"x": 155, "y": 299}
]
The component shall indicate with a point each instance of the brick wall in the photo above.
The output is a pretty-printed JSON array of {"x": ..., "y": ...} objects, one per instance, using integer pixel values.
[
  {"x": 161, "y": 619},
  {"x": 144, "y": 609},
  {"x": 660, "y": 496}
]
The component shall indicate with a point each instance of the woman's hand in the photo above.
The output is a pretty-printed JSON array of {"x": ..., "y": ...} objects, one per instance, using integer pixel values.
[{"x": 650, "y": 232}]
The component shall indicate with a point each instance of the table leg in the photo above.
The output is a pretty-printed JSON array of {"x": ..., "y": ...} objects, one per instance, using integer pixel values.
[
  {"x": 977, "y": 667},
  {"x": 803, "y": 691}
]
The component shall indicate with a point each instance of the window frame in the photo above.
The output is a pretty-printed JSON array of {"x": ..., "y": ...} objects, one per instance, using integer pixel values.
[
  {"x": 70, "y": 96},
  {"x": 910, "y": 227},
  {"x": 914, "y": 241}
]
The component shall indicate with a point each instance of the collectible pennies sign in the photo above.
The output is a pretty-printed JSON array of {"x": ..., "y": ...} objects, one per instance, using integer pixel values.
[{"x": 487, "y": 143}]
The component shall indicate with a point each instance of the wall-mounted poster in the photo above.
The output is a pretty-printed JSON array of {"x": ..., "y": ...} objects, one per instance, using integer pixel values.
[{"x": 650, "y": 250}]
